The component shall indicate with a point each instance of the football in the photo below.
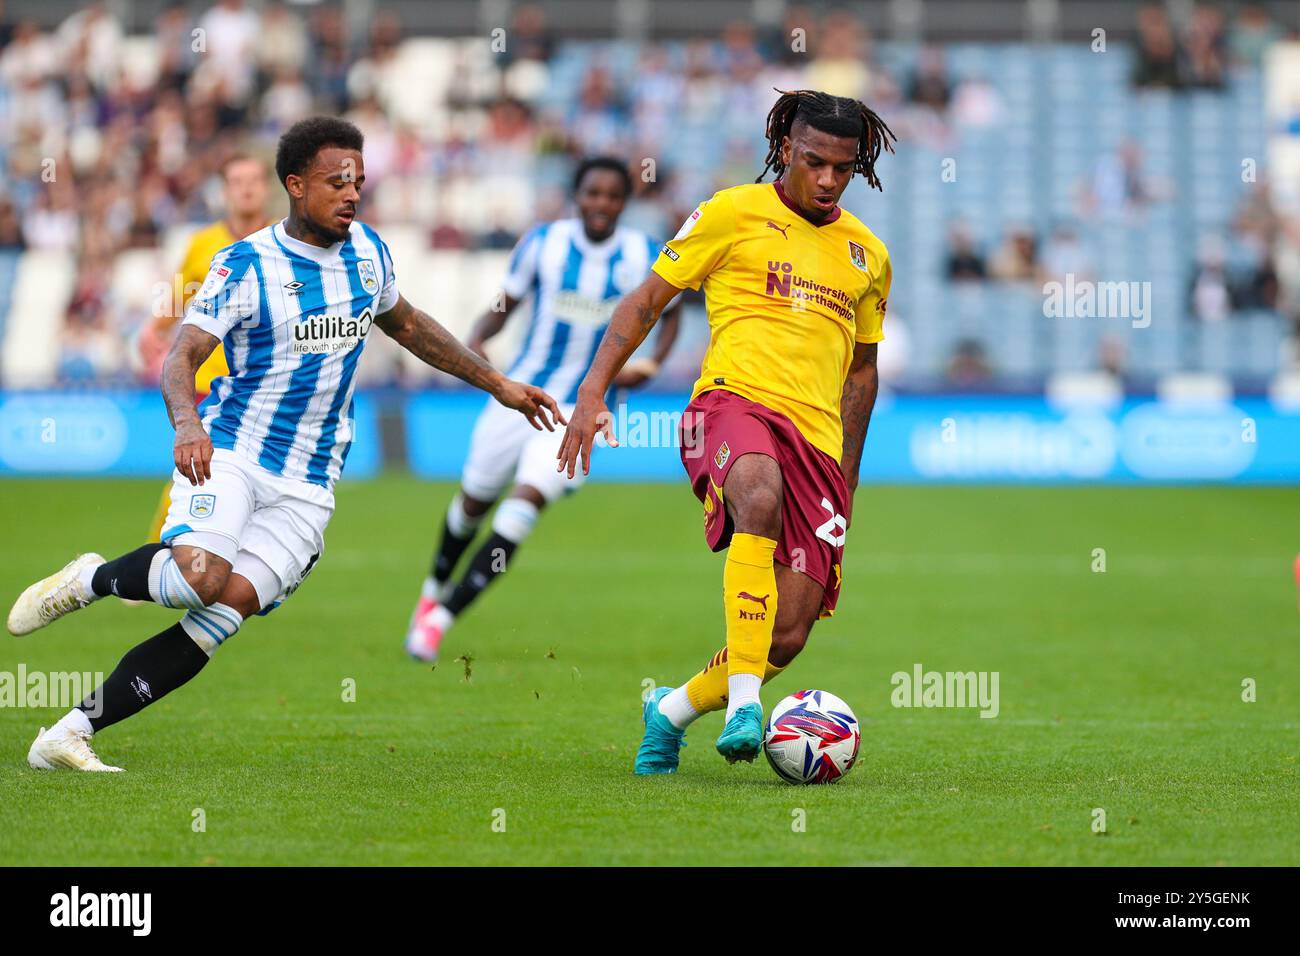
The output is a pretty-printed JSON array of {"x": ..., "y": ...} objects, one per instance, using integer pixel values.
[{"x": 812, "y": 737}]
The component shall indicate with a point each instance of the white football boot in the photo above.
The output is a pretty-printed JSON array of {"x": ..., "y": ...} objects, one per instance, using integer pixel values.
[
  {"x": 63, "y": 749},
  {"x": 50, "y": 598}
]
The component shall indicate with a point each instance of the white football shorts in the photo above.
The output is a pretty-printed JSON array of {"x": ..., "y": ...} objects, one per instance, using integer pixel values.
[
  {"x": 270, "y": 528},
  {"x": 506, "y": 450}
]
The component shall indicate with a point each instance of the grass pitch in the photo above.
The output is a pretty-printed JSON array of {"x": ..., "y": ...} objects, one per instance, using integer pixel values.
[{"x": 1119, "y": 690}]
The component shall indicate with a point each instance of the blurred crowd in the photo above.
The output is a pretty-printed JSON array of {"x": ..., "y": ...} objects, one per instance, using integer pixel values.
[{"x": 106, "y": 148}]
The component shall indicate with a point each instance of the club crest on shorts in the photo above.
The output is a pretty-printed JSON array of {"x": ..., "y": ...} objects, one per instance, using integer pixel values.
[
  {"x": 369, "y": 281},
  {"x": 724, "y": 452},
  {"x": 202, "y": 505},
  {"x": 858, "y": 255}
]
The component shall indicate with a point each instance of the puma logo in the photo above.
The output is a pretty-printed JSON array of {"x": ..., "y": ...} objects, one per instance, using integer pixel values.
[
  {"x": 780, "y": 229},
  {"x": 757, "y": 600}
]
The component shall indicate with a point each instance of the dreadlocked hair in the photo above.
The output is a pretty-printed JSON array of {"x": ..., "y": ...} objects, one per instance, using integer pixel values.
[{"x": 837, "y": 115}]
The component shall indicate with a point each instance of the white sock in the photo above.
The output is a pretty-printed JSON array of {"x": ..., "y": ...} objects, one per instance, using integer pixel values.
[
  {"x": 676, "y": 706},
  {"x": 742, "y": 689},
  {"x": 430, "y": 589},
  {"x": 442, "y": 618},
  {"x": 167, "y": 584},
  {"x": 76, "y": 721},
  {"x": 85, "y": 577}
]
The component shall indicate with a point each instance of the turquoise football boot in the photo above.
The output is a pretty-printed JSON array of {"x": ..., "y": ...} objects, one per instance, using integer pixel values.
[
  {"x": 743, "y": 735},
  {"x": 659, "y": 748}
]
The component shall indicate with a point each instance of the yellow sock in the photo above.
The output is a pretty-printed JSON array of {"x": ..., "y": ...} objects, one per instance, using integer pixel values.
[
  {"x": 160, "y": 514},
  {"x": 749, "y": 600},
  {"x": 707, "y": 690}
]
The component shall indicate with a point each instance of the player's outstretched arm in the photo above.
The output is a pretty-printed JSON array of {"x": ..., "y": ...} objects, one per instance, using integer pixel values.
[
  {"x": 634, "y": 317},
  {"x": 856, "y": 403},
  {"x": 489, "y": 325},
  {"x": 427, "y": 340},
  {"x": 192, "y": 450}
]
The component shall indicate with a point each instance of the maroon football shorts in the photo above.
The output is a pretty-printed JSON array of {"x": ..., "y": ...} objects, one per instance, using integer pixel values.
[{"x": 719, "y": 427}]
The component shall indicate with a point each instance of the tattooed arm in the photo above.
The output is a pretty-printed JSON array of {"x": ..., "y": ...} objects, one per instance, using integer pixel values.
[
  {"x": 858, "y": 399},
  {"x": 433, "y": 345},
  {"x": 634, "y": 317},
  {"x": 192, "y": 450}
]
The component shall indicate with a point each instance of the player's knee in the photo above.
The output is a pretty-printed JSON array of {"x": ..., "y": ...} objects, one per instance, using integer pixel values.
[
  {"x": 208, "y": 585},
  {"x": 787, "y": 642},
  {"x": 189, "y": 577},
  {"x": 470, "y": 507},
  {"x": 758, "y": 511},
  {"x": 206, "y": 574},
  {"x": 752, "y": 493}
]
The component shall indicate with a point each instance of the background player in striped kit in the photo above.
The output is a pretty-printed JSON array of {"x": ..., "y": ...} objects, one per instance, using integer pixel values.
[
  {"x": 253, "y": 488},
  {"x": 573, "y": 271}
]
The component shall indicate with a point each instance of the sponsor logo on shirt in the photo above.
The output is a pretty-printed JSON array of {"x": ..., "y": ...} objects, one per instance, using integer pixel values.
[
  {"x": 689, "y": 224},
  {"x": 578, "y": 309},
  {"x": 325, "y": 334},
  {"x": 784, "y": 281}
]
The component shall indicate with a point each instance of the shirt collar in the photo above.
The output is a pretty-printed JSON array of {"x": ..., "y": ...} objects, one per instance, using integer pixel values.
[
  {"x": 835, "y": 213},
  {"x": 305, "y": 249},
  {"x": 587, "y": 245}
]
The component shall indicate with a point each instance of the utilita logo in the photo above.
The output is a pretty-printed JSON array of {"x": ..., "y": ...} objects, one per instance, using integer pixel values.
[
  {"x": 323, "y": 334},
  {"x": 72, "y": 909}
]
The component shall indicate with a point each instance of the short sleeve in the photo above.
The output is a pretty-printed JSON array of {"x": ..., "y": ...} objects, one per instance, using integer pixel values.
[
  {"x": 388, "y": 295},
  {"x": 700, "y": 245},
  {"x": 871, "y": 307},
  {"x": 228, "y": 296},
  {"x": 522, "y": 269}
]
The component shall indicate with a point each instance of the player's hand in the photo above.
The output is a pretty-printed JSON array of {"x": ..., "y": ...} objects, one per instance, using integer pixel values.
[
  {"x": 636, "y": 373},
  {"x": 532, "y": 402},
  {"x": 589, "y": 416},
  {"x": 192, "y": 452}
]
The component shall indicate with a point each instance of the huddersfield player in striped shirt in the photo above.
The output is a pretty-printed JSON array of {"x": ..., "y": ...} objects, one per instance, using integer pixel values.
[
  {"x": 252, "y": 493},
  {"x": 572, "y": 272}
]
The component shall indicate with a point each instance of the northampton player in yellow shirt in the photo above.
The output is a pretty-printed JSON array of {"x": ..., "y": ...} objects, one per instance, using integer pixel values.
[
  {"x": 796, "y": 290},
  {"x": 245, "y": 190}
]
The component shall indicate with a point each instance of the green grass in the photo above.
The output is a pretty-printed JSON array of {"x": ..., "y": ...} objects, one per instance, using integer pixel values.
[{"x": 1119, "y": 690}]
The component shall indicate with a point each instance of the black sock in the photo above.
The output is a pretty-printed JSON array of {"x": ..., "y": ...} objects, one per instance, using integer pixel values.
[
  {"x": 148, "y": 672},
  {"x": 486, "y": 565},
  {"x": 127, "y": 576},
  {"x": 450, "y": 548}
]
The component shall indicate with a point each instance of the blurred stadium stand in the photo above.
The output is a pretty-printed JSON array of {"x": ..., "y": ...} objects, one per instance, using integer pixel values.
[{"x": 1024, "y": 155}]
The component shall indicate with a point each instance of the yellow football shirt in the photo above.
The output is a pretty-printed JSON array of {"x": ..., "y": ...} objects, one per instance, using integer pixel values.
[
  {"x": 205, "y": 244},
  {"x": 786, "y": 299}
]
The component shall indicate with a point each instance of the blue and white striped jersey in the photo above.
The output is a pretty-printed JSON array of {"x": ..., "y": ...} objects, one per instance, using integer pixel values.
[
  {"x": 293, "y": 318},
  {"x": 574, "y": 284}
]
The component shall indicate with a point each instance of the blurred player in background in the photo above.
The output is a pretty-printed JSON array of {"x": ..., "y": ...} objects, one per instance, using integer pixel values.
[
  {"x": 253, "y": 488},
  {"x": 575, "y": 271},
  {"x": 796, "y": 289},
  {"x": 245, "y": 192}
]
